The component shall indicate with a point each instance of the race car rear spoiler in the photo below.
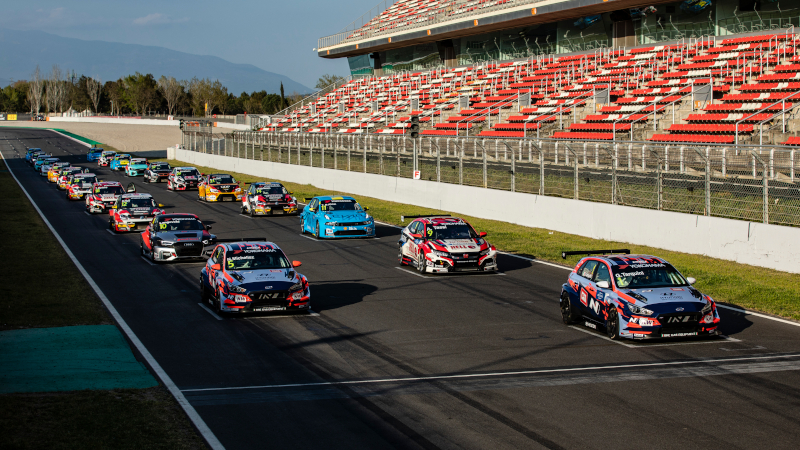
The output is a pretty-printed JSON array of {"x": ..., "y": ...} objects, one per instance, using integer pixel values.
[
  {"x": 247, "y": 239},
  {"x": 594, "y": 252},
  {"x": 403, "y": 218}
]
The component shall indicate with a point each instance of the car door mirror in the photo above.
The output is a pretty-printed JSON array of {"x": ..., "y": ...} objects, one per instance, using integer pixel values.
[
  {"x": 160, "y": 205},
  {"x": 691, "y": 280},
  {"x": 208, "y": 227},
  {"x": 296, "y": 264},
  {"x": 215, "y": 267},
  {"x": 416, "y": 236},
  {"x": 483, "y": 234},
  {"x": 603, "y": 284},
  {"x": 131, "y": 188},
  {"x": 366, "y": 208}
]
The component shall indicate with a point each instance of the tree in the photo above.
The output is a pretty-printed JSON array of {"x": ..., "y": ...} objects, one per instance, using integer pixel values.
[
  {"x": 327, "y": 80},
  {"x": 172, "y": 90},
  {"x": 140, "y": 92},
  {"x": 35, "y": 91},
  {"x": 114, "y": 92},
  {"x": 283, "y": 98},
  {"x": 94, "y": 87},
  {"x": 52, "y": 88}
]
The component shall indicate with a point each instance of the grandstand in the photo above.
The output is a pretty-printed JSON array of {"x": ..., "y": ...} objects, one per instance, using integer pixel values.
[{"x": 577, "y": 70}]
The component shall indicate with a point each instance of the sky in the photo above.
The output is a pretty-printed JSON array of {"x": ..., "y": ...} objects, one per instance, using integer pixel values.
[{"x": 278, "y": 36}]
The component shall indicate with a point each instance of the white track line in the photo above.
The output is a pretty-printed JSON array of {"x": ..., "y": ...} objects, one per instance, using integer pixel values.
[
  {"x": 498, "y": 374},
  {"x": 147, "y": 260},
  {"x": 649, "y": 345},
  {"x": 763, "y": 316},
  {"x": 198, "y": 422},
  {"x": 112, "y": 233},
  {"x": 210, "y": 311}
]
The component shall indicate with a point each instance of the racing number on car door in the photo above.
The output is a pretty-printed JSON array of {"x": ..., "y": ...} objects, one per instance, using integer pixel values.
[
  {"x": 586, "y": 288},
  {"x": 216, "y": 258},
  {"x": 601, "y": 274}
]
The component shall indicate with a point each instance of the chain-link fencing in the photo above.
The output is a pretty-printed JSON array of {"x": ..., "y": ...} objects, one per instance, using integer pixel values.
[{"x": 754, "y": 183}]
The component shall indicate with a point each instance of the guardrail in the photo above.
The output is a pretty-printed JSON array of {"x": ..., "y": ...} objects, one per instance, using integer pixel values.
[{"x": 753, "y": 183}]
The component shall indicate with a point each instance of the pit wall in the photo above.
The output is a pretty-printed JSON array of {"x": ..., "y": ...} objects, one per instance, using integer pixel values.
[
  {"x": 757, "y": 244},
  {"x": 126, "y": 121}
]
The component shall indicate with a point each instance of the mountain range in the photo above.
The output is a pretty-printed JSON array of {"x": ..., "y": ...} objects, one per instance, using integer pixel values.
[{"x": 21, "y": 51}]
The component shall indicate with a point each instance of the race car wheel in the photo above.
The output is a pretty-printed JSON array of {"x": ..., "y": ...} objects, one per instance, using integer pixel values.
[
  {"x": 302, "y": 226},
  {"x": 612, "y": 324},
  {"x": 421, "y": 263},
  {"x": 218, "y": 302},
  {"x": 111, "y": 225},
  {"x": 316, "y": 231},
  {"x": 400, "y": 255},
  {"x": 203, "y": 294},
  {"x": 252, "y": 212},
  {"x": 141, "y": 247},
  {"x": 568, "y": 313}
]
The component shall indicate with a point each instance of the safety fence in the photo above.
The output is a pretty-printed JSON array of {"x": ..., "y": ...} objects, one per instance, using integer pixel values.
[{"x": 754, "y": 183}]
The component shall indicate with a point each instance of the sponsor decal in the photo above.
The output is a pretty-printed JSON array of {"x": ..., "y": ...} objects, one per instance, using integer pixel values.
[
  {"x": 584, "y": 296},
  {"x": 590, "y": 325},
  {"x": 679, "y": 309},
  {"x": 676, "y": 289},
  {"x": 594, "y": 305},
  {"x": 644, "y": 266},
  {"x": 694, "y": 333},
  {"x": 269, "y": 296}
]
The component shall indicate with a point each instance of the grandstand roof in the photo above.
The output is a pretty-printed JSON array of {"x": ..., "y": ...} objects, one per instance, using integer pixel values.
[{"x": 390, "y": 29}]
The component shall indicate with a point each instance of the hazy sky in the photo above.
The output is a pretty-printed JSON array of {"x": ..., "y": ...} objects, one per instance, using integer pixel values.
[{"x": 277, "y": 36}]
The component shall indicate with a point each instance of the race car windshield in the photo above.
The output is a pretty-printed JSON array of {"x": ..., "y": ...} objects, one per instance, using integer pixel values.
[
  {"x": 655, "y": 276},
  {"x": 181, "y": 224},
  {"x": 221, "y": 179},
  {"x": 160, "y": 166},
  {"x": 271, "y": 190},
  {"x": 109, "y": 190},
  {"x": 137, "y": 203},
  {"x": 461, "y": 231},
  {"x": 259, "y": 260},
  {"x": 340, "y": 205},
  {"x": 84, "y": 181},
  {"x": 187, "y": 173}
]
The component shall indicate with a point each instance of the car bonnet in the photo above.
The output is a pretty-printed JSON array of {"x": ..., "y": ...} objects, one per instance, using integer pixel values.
[{"x": 266, "y": 279}]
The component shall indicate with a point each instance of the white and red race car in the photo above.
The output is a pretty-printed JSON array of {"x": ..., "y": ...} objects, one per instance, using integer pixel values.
[
  {"x": 183, "y": 179},
  {"x": 103, "y": 195},
  {"x": 442, "y": 244},
  {"x": 132, "y": 211}
]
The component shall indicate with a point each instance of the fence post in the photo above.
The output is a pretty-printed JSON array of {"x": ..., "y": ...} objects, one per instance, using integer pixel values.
[
  {"x": 764, "y": 187},
  {"x": 349, "y": 148},
  {"x": 791, "y": 166},
  {"x": 575, "y": 169},
  {"x": 365, "y": 154},
  {"x": 541, "y": 165},
  {"x": 484, "y": 167},
  {"x": 439, "y": 163}
]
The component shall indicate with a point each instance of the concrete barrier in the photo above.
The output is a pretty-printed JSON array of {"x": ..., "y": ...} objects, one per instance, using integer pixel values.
[
  {"x": 757, "y": 244},
  {"x": 120, "y": 120}
]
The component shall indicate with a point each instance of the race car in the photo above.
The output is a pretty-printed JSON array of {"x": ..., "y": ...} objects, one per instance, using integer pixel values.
[
  {"x": 218, "y": 187},
  {"x": 64, "y": 174},
  {"x": 133, "y": 210},
  {"x": 94, "y": 154},
  {"x": 252, "y": 275},
  {"x": 31, "y": 152},
  {"x": 136, "y": 167},
  {"x": 103, "y": 195},
  {"x": 183, "y": 178},
  {"x": 120, "y": 161},
  {"x": 268, "y": 199},
  {"x": 694, "y": 6},
  {"x": 79, "y": 185},
  {"x": 46, "y": 165},
  {"x": 156, "y": 171},
  {"x": 635, "y": 297},
  {"x": 332, "y": 217},
  {"x": 171, "y": 237},
  {"x": 40, "y": 161},
  {"x": 55, "y": 169},
  {"x": 37, "y": 156},
  {"x": 105, "y": 157},
  {"x": 442, "y": 244}
]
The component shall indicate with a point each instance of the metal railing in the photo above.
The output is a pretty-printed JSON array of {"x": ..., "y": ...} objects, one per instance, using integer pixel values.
[{"x": 753, "y": 183}]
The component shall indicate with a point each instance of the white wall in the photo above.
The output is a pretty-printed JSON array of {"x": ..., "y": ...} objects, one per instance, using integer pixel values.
[
  {"x": 757, "y": 244},
  {"x": 125, "y": 121}
]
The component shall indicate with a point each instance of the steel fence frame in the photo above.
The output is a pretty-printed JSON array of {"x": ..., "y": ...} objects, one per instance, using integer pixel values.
[{"x": 746, "y": 182}]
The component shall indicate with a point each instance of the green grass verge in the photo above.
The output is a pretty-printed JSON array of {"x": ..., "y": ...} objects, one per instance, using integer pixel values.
[
  {"x": 43, "y": 288},
  {"x": 756, "y": 288},
  {"x": 119, "y": 419}
]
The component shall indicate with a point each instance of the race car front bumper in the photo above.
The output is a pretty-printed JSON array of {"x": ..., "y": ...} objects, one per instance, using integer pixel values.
[
  {"x": 244, "y": 303},
  {"x": 223, "y": 197},
  {"x": 349, "y": 231},
  {"x": 99, "y": 206},
  {"x": 77, "y": 194},
  {"x": 133, "y": 172},
  {"x": 274, "y": 210},
  {"x": 132, "y": 223},
  {"x": 184, "y": 186},
  {"x": 183, "y": 251},
  {"x": 458, "y": 263},
  {"x": 665, "y": 326}
]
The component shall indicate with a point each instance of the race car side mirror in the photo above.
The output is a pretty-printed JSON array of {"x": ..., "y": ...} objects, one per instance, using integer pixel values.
[
  {"x": 296, "y": 264},
  {"x": 215, "y": 267},
  {"x": 160, "y": 205},
  {"x": 603, "y": 284},
  {"x": 483, "y": 234},
  {"x": 208, "y": 227},
  {"x": 691, "y": 280},
  {"x": 416, "y": 236},
  {"x": 131, "y": 188},
  {"x": 366, "y": 208}
]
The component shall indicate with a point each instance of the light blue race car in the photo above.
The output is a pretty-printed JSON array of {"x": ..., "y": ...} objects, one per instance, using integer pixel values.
[
  {"x": 335, "y": 217},
  {"x": 136, "y": 167},
  {"x": 94, "y": 154},
  {"x": 120, "y": 161}
]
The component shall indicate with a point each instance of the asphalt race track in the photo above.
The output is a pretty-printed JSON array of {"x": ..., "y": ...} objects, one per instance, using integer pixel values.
[{"x": 393, "y": 359}]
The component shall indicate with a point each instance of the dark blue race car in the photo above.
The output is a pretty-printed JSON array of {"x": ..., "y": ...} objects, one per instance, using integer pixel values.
[
  {"x": 635, "y": 297},
  {"x": 94, "y": 154}
]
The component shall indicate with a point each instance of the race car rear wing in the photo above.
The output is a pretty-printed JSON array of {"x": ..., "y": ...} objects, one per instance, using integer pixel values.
[
  {"x": 403, "y": 218},
  {"x": 594, "y": 252}
]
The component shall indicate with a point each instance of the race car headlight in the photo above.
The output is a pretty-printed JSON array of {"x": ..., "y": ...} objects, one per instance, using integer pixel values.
[
  {"x": 124, "y": 216},
  {"x": 706, "y": 309},
  {"x": 639, "y": 310},
  {"x": 485, "y": 252},
  {"x": 440, "y": 254},
  {"x": 205, "y": 241},
  {"x": 165, "y": 243},
  {"x": 296, "y": 287},
  {"x": 330, "y": 224},
  {"x": 235, "y": 288}
]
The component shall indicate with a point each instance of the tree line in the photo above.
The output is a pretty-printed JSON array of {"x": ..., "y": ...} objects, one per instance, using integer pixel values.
[{"x": 59, "y": 91}]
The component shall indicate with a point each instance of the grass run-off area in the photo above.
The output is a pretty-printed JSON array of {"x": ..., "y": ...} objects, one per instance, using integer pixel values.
[
  {"x": 43, "y": 288},
  {"x": 751, "y": 287}
]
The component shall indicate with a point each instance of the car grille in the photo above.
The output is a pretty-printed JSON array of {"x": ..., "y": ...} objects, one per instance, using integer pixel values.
[
  {"x": 350, "y": 233},
  {"x": 225, "y": 188},
  {"x": 188, "y": 249},
  {"x": 677, "y": 322},
  {"x": 459, "y": 260},
  {"x": 350, "y": 224},
  {"x": 269, "y": 298}
]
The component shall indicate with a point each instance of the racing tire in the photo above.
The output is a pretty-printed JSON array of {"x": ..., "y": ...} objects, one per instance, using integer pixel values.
[
  {"x": 612, "y": 324},
  {"x": 241, "y": 209},
  {"x": 421, "y": 263},
  {"x": 218, "y": 303},
  {"x": 145, "y": 179},
  {"x": 568, "y": 313},
  {"x": 141, "y": 247},
  {"x": 252, "y": 214},
  {"x": 302, "y": 226},
  {"x": 316, "y": 231},
  {"x": 111, "y": 226},
  {"x": 400, "y": 256},
  {"x": 203, "y": 293}
]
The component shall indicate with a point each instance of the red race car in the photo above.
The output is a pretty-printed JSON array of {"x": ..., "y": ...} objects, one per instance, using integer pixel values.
[
  {"x": 132, "y": 211},
  {"x": 104, "y": 194}
]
